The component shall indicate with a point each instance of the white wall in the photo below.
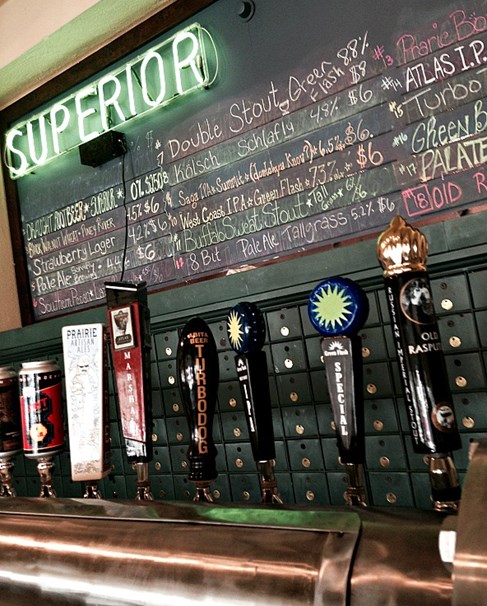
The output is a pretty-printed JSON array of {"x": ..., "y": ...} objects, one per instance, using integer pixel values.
[{"x": 40, "y": 39}]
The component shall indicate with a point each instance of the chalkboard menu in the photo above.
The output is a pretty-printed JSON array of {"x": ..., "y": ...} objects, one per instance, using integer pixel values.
[{"x": 319, "y": 122}]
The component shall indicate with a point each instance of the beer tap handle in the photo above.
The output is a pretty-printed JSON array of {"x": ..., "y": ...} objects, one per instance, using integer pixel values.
[
  {"x": 338, "y": 308},
  {"x": 402, "y": 251},
  {"x": 246, "y": 332},
  {"x": 86, "y": 387},
  {"x": 198, "y": 370},
  {"x": 129, "y": 322}
]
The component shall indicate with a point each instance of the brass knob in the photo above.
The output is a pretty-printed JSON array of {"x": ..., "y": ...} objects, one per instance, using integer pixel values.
[
  {"x": 371, "y": 388},
  {"x": 391, "y": 498}
]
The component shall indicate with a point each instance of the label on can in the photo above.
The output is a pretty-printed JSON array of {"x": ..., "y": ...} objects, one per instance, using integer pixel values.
[
  {"x": 10, "y": 428},
  {"x": 41, "y": 409}
]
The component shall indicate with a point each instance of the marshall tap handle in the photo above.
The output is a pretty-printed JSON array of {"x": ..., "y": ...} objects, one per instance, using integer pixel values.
[
  {"x": 402, "y": 252},
  {"x": 246, "y": 333},
  {"x": 197, "y": 360},
  {"x": 129, "y": 322},
  {"x": 338, "y": 308}
]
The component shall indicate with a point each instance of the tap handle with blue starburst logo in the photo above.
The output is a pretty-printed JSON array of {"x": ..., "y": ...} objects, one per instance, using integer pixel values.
[
  {"x": 246, "y": 332},
  {"x": 338, "y": 309},
  {"x": 198, "y": 372}
]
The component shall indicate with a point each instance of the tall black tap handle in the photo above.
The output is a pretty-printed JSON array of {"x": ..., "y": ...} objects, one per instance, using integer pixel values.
[
  {"x": 197, "y": 360},
  {"x": 338, "y": 308},
  {"x": 246, "y": 332}
]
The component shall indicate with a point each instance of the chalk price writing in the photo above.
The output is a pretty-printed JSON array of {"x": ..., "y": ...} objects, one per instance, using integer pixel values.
[
  {"x": 354, "y": 48},
  {"x": 149, "y": 184},
  {"x": 321, "y": 173},
  {"x": 149, "y": 229},
  {"x": 367, "y": 155},
  {"x": 359, "y": 94},
  {"x": 140, "y": 210},
  {"x": 354, "y": 186},
  {"x": 155, "y": 273},
  {"x": 366, "y": 210},
  {"x": 324, "y": 111},
  {"x": 352, "y": 135}
]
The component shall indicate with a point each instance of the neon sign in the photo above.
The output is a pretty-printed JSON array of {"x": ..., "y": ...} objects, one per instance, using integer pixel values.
[{"x": 168, "y": 71}]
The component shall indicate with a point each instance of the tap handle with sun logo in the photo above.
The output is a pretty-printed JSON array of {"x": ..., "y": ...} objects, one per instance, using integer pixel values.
[
  {"x": 197, "y": 361},
  {"x": 246, "y": 332},
  {"x": 338, "y": 308}
]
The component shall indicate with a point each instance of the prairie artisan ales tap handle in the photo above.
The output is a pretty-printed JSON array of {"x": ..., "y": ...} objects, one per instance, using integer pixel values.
[
  {"x": 86, "y": 387},
  {"x": 246, "y": 333},
  {"x": 197, "y": 360},
  {"x": 129, "y": 322},
  {"x": 402, "y": 251},
  {"x": 338, "y": 308}
]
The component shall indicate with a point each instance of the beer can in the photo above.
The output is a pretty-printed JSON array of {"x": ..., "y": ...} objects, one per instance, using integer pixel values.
[
  {"x": 10, "y": 427},
  {"x": 41, "y": 408}
]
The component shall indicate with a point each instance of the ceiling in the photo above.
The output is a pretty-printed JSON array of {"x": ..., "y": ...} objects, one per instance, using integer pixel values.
[{"x": 54, "y": 51}]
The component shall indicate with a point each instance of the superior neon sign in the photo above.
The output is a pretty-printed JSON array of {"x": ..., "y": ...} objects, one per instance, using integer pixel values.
[{"x": 166, "y": 72}]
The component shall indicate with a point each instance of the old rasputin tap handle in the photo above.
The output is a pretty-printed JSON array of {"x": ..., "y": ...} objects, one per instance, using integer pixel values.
[
  {"x": 198, "y": 371},
  {"x": 246, "y": 332},
  {"x": 402, "y": 251},
  {"x": 338, "y": 308}
]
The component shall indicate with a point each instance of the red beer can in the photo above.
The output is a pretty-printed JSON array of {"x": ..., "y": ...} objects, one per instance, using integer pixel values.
[
  {"x": 10, "y": 428},
  {"x": 41, "y": 408}
]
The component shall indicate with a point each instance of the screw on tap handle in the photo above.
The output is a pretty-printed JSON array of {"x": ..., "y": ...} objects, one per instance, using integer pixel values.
[
  {"x": 402, "y": 251},
  {"x": 197, "y": 360},
  {"x": 246, "y": 332},
  {"x": 338, "y": 308}
]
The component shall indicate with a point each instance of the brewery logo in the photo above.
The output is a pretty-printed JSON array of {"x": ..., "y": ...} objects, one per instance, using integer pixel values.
[
  {"x": 331, "y": 307},
  {"x": 334, "y": 348},
  {"x": 417, "y": 302},
  {"x": 235, "y": 329},
  {"x": 38, "y": 408},
  {"x": 443, "y": 417},
  {"x": 122, "y": 328}
]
